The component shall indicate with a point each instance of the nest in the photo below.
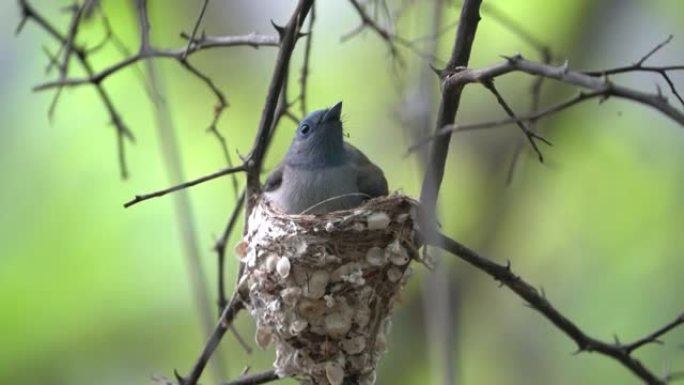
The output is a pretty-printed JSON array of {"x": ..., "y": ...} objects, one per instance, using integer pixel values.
[{"x": 322, "y": 287}]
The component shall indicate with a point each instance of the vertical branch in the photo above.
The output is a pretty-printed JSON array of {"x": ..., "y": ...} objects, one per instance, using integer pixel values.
[
  {"x": 304, "y": 77},
  {"x": 465, "y": 34},
  {"x": 183, "y": 208}
]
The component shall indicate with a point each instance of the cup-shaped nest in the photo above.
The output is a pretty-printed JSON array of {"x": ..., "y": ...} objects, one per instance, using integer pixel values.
[{"x": 322, "y": 287}]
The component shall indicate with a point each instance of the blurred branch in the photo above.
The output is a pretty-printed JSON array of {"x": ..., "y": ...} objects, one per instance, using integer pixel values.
[
  {"x": 304, "y": 75},
  {"x": 391, "y": 38},
  {"x": 30, "y": 13},
  {"x": 255, "y": 379},
  {"x": 187, "y": 230},
  {"x": 147, "y": 52},
  {"x": 537, "y": 300}
]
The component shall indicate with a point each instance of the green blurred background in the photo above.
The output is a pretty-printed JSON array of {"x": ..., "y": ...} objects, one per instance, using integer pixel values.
[{"x": 91, "y": 293}]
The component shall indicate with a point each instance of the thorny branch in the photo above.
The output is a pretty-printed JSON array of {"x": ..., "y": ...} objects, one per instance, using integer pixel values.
[{"x": 537, "y": 300}]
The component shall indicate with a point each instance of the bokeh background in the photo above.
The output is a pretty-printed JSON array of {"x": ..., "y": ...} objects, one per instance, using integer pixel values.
[{"x": 91, "y": 293}]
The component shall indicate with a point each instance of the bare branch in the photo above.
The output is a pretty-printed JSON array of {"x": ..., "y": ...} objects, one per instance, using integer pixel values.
[
  {"x": 457, "y": 79},
  {"x": 206, "y": 178},
  {"x": 30, "y": 13},
  {"x": 538, "y": 301},
  {"x": 304, "y": 75}
]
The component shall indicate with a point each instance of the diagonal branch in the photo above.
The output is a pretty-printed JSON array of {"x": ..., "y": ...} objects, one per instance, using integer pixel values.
[
  {"x": 531, "y": 136},
  {"x": 537, "y": 301},
  {"x": 122, "y": 131}
]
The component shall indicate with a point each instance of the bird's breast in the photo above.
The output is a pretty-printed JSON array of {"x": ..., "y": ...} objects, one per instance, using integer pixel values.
[{"x": 318, "y": 190}]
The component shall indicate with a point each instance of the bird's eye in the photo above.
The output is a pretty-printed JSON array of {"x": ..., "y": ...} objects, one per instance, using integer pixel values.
[{"x": 304, "y": 129}]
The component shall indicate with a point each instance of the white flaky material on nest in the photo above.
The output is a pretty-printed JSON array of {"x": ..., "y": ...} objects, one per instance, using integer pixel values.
[{"x": 322, "y": 287}]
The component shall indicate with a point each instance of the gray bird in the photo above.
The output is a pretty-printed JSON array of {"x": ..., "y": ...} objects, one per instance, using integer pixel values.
[{"x": 321, "y": 172}]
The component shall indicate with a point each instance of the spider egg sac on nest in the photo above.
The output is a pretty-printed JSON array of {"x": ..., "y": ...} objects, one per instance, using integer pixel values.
[{"x": 322, "y": 287}]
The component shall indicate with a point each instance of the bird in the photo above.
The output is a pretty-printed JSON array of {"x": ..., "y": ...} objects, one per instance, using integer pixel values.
[{"x": 321, "y": 172}]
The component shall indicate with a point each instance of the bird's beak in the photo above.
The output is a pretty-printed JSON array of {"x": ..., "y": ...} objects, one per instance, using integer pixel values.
[{"x": 333, "y": 114}]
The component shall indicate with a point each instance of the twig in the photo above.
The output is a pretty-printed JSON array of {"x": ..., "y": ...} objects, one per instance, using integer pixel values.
[
  {"x": 654, "y": 50},
  {"x": 221, "y": 105},
  {"x": 538, "y": 301},
  {"x": 68, "y": 48},
  {"x": 181, "y": 186},
  {"x": 390, "y": 38},
  {"x": 531, "y": 137},
  {"x": 304, "y": 75},
  {"x": 195, "y": 28},
  {"x": 255, "y": 379}
]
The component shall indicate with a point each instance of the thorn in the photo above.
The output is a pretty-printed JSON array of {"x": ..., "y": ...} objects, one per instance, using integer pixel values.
[
  {"x": 303, "y": 34},
  {"x": 179, "y": 378},
  {"x": 616, "y": 340},
  {"x": 437, "y": 71},
  {"x": 542, "y": 292},
  {"x": 512, "y": 59},
  {"x": 279, "y": 29},
  {"x": 578, "y": 351},
  {"x": 508, "y": 265},
  {"x": 22, "y": 22},
  {"x": 565, "y": 67}
]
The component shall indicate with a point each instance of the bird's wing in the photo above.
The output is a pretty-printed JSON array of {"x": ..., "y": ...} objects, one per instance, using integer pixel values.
[
  {"x": 275, "y": 179},
  {"x": 370, "y": 178}
]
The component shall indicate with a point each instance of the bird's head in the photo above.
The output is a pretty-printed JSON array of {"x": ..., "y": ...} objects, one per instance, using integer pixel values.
[{"x": 318, "y": 141}]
